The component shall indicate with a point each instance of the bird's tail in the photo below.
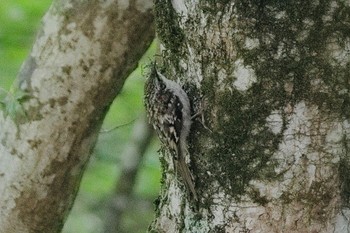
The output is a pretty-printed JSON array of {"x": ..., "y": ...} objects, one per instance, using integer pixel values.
[{"x": 185, "y": 173}]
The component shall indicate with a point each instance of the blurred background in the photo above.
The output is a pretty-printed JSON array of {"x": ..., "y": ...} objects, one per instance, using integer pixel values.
[{"x": 119, "y": 185}]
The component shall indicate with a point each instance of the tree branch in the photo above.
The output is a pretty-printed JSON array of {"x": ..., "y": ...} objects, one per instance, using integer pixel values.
[{"x": 78, "y": 64}]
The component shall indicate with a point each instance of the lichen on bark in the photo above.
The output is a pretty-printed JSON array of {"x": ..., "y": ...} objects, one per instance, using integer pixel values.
[{"x": 274, "y": 76}]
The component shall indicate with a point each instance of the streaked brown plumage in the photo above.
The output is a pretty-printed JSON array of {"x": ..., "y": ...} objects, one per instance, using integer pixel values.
[{"x": 168, "y": 109}]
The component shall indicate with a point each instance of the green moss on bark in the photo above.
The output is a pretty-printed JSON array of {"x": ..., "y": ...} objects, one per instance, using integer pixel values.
[
  {"x": 168, "y": 29},
  {"x": 289, "y": 57}
]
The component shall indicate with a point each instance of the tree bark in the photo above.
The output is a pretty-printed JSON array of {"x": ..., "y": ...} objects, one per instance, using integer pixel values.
[
  {"x": 274, "y": 77},
  {"x": 81, "y": 57}
]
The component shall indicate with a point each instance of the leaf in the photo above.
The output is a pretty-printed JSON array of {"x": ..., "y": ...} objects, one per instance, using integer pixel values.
[
  {"x": 11, "y": 103},
  {"x": 20, "y": 95}
]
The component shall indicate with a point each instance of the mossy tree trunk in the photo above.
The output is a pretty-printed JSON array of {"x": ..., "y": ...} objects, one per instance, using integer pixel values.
[
  {"x": 275, "y": 80},
  {"x": 77, "y": 66}
]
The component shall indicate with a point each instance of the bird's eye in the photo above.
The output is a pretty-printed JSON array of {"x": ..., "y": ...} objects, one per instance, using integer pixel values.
[{"x": 160, "y": 85}]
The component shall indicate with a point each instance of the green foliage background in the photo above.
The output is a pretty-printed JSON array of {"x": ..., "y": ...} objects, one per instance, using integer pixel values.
[{"x": 19, "y": 22}]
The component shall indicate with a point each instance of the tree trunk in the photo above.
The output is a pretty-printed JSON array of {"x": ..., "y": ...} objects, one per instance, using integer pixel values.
[
  {"x": 274, "y": 79},
  {"x": 78, "y": 64}
]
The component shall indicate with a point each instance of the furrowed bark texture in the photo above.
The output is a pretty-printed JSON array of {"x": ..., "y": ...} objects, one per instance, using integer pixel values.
[
  {"x": 78, "y": 64},
  {"x": 275, "y": 79}
]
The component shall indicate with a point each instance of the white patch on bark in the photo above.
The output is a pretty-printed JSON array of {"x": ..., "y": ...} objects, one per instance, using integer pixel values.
[
  {"x": 342, "y": 224},
  {"x": 335, "y": 134},
  {"x": 245, "y": 76},
  {"x": 311, "y": 170},
  {"x": 221, "y": 76},
  {"x": 143, "y": 6},
  {"x": 251, "y": 43},
  {"x": 51, "y": 24},
  {"x": 339, "y": 52},
  {"x": 328, "y": 17},
  {"x": 317, "y": 85},
  {"x": 194, "y": 68},
  {"x": 303, "y": 35},
  {"x": 296, "y": 139},
  {"x": 281, "y": 15},
  {"x": 282, "y": 52},
  {"x": 175, "y": 203},
  {"x": 275, "y": 122},
  {"x": 71, "y": 27},
  {"x": 123, "y": 4},
  {"x": 280, "y": 49},
  {"x": 179, "y": 6},
  {"x": 307, "y": 25},
  {"x": 99, "y": 24},
  {"x": 218, "y": 209},
  {"x": 295, "y": 150}
]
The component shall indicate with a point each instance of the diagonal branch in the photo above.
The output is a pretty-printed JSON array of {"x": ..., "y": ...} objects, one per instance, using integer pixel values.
[{"x": 77, "y": 66}]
